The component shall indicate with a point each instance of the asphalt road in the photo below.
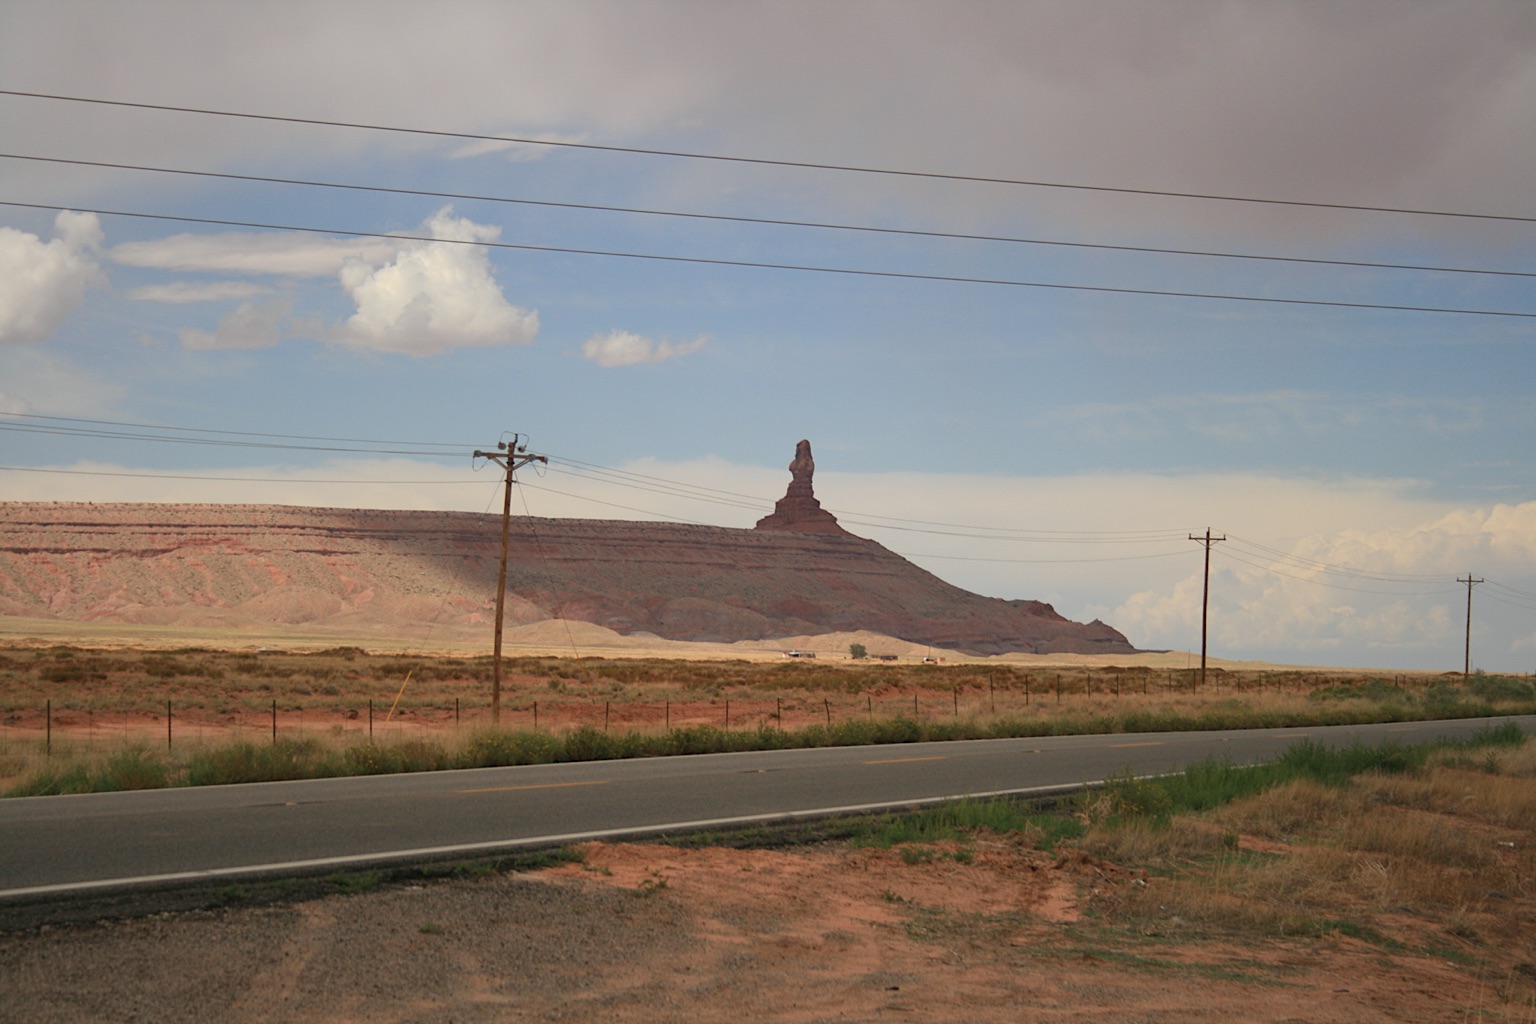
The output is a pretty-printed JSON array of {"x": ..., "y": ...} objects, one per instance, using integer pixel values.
[{"x": 101, "y": 842}]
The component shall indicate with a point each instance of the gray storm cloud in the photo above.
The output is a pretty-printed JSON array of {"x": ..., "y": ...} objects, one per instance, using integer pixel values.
[{"x": 1379, "y": 101}]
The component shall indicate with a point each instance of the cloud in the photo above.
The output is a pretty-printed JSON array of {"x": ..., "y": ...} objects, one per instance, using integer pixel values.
[
  {"x": 1410, "y": 104},
  {"x": 41, "y": 283},
  {"x": 622, "y": 348},
  {"x": 291, "y": 254},
  {"x": 1351, "y": 589},
  {"x": 433, "y": 296},
  {"x": 182, "y": 292},
  {"x": 250, "y": 325}
]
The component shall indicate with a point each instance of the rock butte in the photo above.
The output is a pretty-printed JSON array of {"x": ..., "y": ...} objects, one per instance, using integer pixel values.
[{"x": 798, "y": 572}]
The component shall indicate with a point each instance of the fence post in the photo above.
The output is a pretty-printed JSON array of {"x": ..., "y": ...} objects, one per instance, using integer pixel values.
[
  {"x": 535, "y": 716},
  {"x": 727, "y": 714},
  {"x": 828, "y": 705},
  {"x": 605, "y": 715},
  {"x": 778, "y": 712},
  {"x": 370, "y": 719},
  {"x": 167, "y": 725},
  {"x": 48, "y": 744},
  {"x": 669, "y": 716},
  {"x": 274, "y": 719}
]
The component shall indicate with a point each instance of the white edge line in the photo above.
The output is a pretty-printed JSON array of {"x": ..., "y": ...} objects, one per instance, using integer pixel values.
[{"x": 436, "y": 852}]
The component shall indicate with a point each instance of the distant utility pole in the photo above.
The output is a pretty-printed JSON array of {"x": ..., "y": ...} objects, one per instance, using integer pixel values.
[
  {"x": 1205, "y": 600},
  {"x": 510, "y": 458},
  {"x": 1466, "y": 665}
]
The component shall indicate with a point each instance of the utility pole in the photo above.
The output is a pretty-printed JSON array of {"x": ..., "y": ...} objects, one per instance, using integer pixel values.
[
  {"x": 1466, "y": 665},
  {"x": 1205, "y": 600},
  {"x": 510, "y": 457}
]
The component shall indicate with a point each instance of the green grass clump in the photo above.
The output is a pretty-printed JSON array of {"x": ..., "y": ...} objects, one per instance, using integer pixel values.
[
  {"x": 1211, "y": 783},
  {"x": 952, "y": 822},
  {"x": 492, "y": 749},
  {"x": 261, "y": 762}
]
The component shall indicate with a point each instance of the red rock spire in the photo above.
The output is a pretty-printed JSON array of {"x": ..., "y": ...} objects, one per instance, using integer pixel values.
[{"x": 798, "y": 510}]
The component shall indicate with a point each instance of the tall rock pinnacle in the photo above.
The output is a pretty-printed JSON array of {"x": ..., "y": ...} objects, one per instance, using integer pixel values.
[{"x": 799, "y": 510}]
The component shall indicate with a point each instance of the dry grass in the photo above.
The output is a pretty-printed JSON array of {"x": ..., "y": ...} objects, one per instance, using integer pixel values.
[
  {"x": 1438, "y": 863},
  {"x": 98, "y": 703}
]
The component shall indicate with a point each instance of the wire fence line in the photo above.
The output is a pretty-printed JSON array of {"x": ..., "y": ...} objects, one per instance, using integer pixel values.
[{"x": 124, "y": 720}]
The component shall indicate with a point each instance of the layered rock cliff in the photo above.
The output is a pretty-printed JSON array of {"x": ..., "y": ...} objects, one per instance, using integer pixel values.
[{"x": 237, "y": 566}]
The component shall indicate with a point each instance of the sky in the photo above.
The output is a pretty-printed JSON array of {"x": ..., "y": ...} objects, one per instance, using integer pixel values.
[{"x": 663, "y": 242}]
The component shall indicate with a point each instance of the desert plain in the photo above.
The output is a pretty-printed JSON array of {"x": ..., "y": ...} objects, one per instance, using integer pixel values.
[{"x": 1388, "y": 898}]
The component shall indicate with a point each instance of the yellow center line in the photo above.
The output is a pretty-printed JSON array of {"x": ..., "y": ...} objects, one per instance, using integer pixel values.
[
  {"x": 1150, "y": 743},
  {"x": 547, "y": 785},
  {"x": 907, "y": 760}
]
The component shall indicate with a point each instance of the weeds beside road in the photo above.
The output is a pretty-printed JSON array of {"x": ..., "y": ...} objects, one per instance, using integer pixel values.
[{"x": 79, "y": 720}]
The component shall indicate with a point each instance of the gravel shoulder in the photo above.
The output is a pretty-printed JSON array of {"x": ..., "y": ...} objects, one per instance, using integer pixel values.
[{"x": 646, "y": 932}]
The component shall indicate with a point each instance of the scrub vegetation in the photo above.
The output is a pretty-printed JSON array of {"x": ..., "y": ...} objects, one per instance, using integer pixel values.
[{"x": 81, "y": 720}]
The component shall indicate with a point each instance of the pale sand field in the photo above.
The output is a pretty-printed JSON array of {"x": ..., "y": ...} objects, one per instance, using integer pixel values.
[{"x": 575, "y": 639}]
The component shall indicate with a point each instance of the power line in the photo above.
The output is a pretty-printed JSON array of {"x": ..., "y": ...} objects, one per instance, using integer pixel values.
[
  {"x": 855, "y": 519},
  {"x": 764, "y": 161},
  {"x": 778, "y": 221},
  {"x": 1506, "y": 595},
  {"x": 63, "y": 431},
  {"x": 1313, "y": 565},
  {"x": 227, "y": 433},
  {"x": 1526, "y": 604},
  {"x": 694, "y": 492},
  {"x": 907, "y": 554},
  {"x": 802, "y": 268},
  {"x": 755, "y": 501},
  {"x": 1044, "y": 561},
  {"x": 626, "y": 508},
  {"x": 1510, "y": 591},
  {"x": 1270, "y": 568},
  {"x": 204, "y": 477}
]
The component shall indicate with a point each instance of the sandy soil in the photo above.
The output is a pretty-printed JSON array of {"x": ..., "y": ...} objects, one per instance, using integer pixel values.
[
  {"x": 649, "y": 933},
  {"x": 567, "y": 638}
]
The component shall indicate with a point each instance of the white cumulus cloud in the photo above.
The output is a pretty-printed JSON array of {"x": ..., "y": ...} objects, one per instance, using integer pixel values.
[
  {"x": 433, "y": 296},
  {"x": 41, "y": 282},
  {"x": 624, "y": 348},
  {"x": 1388, "y": 589}
]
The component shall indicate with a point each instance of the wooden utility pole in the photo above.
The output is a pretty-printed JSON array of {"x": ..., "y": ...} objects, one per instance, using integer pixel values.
[
  {"x": 1205, "y": 599},
  {"x": 510, "y": 458},
  {"x": 1466, "y": 665}
]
